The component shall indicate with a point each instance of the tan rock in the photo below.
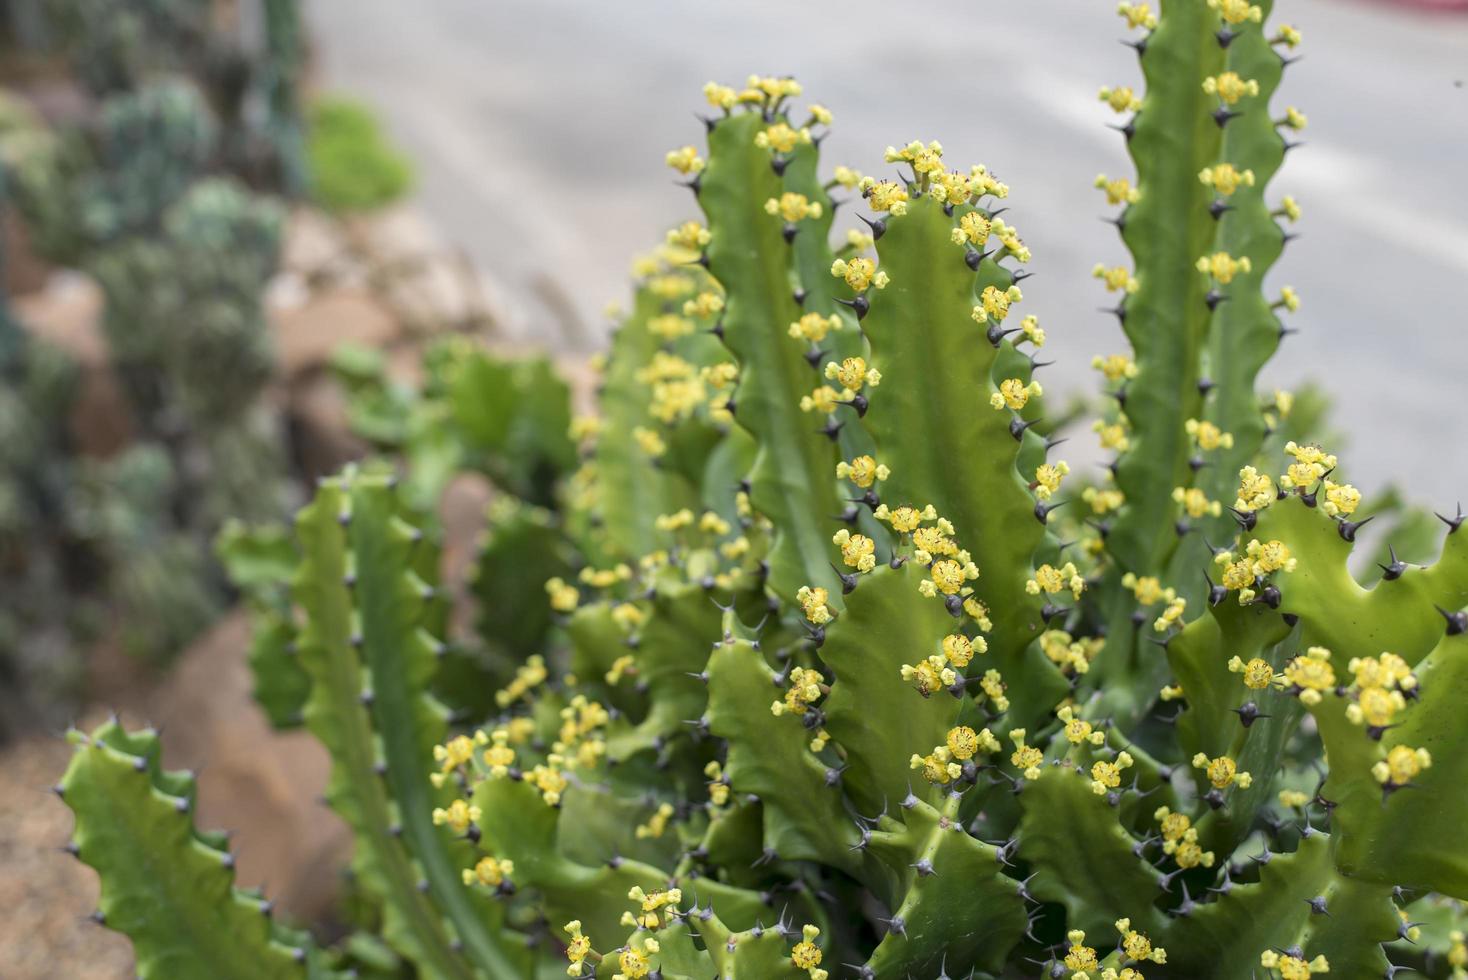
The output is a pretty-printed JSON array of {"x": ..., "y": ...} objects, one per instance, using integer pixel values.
[
  {"x": 323, "y": 438},
  {"x": 262, "y": 786},
  {"x": 306, "y": 335},
  {"x": 25, "y": 272},
  {"x": 67, "y": 314}
]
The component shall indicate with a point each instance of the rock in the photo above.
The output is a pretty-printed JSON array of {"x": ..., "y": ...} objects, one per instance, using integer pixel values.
[
  {"x": 25, "y": 272},
  {"x": 307, "y": 334},
  {"x": 320, "y": 430},
  {"x": 67, "y": 314},
  {"x": 47, "y": 895},
  {"x": 260, "y": 785},
  {"x": 313, "y": 244}
]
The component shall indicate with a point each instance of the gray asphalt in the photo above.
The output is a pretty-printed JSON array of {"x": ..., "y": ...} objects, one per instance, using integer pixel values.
[{"x": 539, "y": 130}]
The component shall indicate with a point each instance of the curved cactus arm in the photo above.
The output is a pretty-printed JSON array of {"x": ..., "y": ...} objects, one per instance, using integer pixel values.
[
  {"x": 630, "y": 493},
  {"x": 793, "y": 478},
  {"x": 1410, "y": 836},
  {"x": 1083, "y": 858},
  {"x": 769, "y": 757},
  {"x": 1223, "y": 716},
  {"x": 1199, "y": 656},
  {"x": 514, "y": 417},
  {"x": 957, "y": 909},
  {"x": 1171, "y": 139},
  {"x": 369, "y": 666},
  {"x": 1298, "y": 901},
  {"x": 1399, "y": 615},
  {"x": 521, "y": 550},
  {"x": 1244, "y": 330},
  {"x": 671, "y": 650},
  {"x": 282, "y": 686},
  {"x": 878, "y": 719},
  {"x": 259, "y": 562},
  {"x": 163, "y": 885},
  {"x": 517, "y": 824},
  {"x": 943, "y": 442}
]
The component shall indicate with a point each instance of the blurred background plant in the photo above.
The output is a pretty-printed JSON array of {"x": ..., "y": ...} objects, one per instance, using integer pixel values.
[
  {"x": 353, "y": 167},
  {"x": 163, "y": 185}
]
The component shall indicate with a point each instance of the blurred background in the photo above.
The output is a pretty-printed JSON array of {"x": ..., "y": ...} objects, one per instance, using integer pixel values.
[{"x": 220, "y": 215}]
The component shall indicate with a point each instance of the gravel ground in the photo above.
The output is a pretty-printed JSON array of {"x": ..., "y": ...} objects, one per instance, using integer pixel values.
[{"x": 46, "y": 894}]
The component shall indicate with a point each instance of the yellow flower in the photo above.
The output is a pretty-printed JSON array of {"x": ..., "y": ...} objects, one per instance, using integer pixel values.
[
  {"x": 1222, "y": 772},
  {"x": 886, "y": 195},
  {"x": 1121, "y": 98},
  {"x": 859, "y": 273},
  {"x": 1048, "y": 477},
  {"x": 863, "y": 471},
  {"x": 685, "y": 160},
  {"x": 1117, "y": 278},
  {"x": 1236, "y": 11},
  {"x": 1196, "y": 503},
  {"x": 813, "y": 601},
  {"x": 1225, "y": 178},
  {"x": 793, "y": 207},
  {"x": 994, "y": 303},
  {"x": 781, "y": 138},
  {"x": 1258, "y": 672},
  {"x": 1014, "y": 394},
  {"x": 1118, "y": 191},
  {"x": 1230, "y": 87},
  {"x": 1224, "y": 267},
  {"x": 1115, "y": 367},
  {"x": 1401, "y": 765},
  {"x": 1028, "y": 758},
  {"x": 814, "y": 327},
  {"x": 1137, "y": 14},
  {"x": 857, "y": 550}
]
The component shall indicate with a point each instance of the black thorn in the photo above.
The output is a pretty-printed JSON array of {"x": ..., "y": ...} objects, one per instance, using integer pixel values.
[
  {"x": 1249, "y": 713},
  {"x": 1347, "y": 529},
  {"x": 1246, "y": 518},
  {"x": 996, "y": 333},
  {"x": 1222, "y": 115},
  {"x": 1017, "y": 427},
  {"x": 1457, "y": 621},
  {"x": 1453, "y": 522},
  {"x": 878, "y": 227},
  {"x": 1392, "y": 572},
  {"x": 859, "y": 304}
]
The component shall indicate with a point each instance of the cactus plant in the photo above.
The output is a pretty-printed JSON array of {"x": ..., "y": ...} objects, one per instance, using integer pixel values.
[{"x": 842, "y": 686}]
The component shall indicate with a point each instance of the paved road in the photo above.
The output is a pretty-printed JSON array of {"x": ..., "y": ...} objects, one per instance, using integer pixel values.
[{"x": 540, "y": 129}]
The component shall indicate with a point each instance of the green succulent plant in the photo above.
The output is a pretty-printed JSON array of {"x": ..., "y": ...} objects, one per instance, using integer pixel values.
[{"x": 851, "y": 679}]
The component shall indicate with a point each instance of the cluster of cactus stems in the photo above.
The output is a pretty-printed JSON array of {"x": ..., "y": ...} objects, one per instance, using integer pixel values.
[
  {"x": 154, "y": 194},
  {"x": 851, "y": 677}
]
